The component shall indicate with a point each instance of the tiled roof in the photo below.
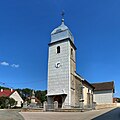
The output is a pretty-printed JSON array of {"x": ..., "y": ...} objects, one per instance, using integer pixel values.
[
  {"x": 103, "y": 86},
  {"x": 6, "y": 93}
]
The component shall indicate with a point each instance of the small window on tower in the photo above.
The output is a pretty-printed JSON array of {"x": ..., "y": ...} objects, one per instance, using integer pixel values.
[
  {"x": 71, "y": 52},
  {"x": 58, "y": 49}
]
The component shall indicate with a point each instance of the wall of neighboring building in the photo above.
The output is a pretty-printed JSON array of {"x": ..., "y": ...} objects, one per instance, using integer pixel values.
[
  {"x": 17, "y": 98},
  {"x": 103, "y": 97}
]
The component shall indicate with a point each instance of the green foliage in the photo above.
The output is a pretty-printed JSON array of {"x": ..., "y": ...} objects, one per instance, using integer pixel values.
[
  {"x": 6, "y": 102},
  {"x": 3, "y": 102},
  {"x": 12, "y": 102},
  {"x": 118, "y": 100},
  {"x": 41, "y": 95},
  {"x": 26, "y": 93},
  {"x": 3, "y": 88}
]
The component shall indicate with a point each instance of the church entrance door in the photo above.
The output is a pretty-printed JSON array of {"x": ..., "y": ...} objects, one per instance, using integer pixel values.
[{"x": 58, "y": 98}]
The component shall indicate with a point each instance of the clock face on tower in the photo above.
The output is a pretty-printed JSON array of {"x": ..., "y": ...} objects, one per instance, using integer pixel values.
[{"x": 57, "y": 65}]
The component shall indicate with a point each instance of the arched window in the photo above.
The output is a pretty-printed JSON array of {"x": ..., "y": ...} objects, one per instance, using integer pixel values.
[
  {"x": 88, "y": 90},
  {"x": 58, "y": 49}
]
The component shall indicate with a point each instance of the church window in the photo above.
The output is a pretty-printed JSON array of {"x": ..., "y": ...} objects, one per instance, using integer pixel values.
[
  {"x": 58, "y": 49},
  {"x": 88, "y": 90},
  {"x": 71, "y": 52}
]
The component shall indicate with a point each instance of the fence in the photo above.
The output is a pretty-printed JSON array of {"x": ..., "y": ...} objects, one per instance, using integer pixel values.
[{"x": 55, "y": 106}]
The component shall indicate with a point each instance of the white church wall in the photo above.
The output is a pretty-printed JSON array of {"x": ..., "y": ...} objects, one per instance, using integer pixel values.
[{"x": 59, "y": 78}]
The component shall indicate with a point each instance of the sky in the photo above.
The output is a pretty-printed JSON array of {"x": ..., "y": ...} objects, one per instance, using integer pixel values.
[{"x": 25, "y": 27}]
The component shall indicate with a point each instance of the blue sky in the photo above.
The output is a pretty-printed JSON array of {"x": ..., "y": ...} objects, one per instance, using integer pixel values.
[{"x": 25, "y": 28}]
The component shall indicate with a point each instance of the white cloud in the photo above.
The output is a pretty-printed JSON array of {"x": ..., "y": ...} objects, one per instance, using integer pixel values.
[
  {"x": 10, "y": 65},
  {"x": 4, "y": 63},
  {"x": 15, "y": 66}
]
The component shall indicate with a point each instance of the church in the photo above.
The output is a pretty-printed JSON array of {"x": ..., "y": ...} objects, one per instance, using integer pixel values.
[{"x": 65, "y": 85}]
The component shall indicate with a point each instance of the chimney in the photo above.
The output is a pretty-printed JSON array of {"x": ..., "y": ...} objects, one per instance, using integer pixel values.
[
  {"x": 1, "y": 90},
  {"x": 11, "y": 90}
]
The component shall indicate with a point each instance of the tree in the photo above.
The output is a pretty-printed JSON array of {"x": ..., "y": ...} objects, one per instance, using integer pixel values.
[
  {"x": 4, "y": 88},
  {"x": 12, "y": 102},
  {"x": 41, "y": 95},
  {"x": 3, "y": 102},
  {"x": 6, "y": 102},
  {"x": 26, "y": 93},
  {"x": 118, "y": 100}
]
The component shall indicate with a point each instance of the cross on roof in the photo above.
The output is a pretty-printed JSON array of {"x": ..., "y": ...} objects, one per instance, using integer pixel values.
[{"x": 63, "y": 13}]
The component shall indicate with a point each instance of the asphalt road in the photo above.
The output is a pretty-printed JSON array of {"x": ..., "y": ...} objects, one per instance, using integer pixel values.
[
  {"x": 10, "y": 115},
  {"x": 104, "y": 114},
  {"x": 111, "y": 115}
]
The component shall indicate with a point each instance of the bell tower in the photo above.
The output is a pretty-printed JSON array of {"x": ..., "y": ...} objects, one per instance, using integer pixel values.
[{"x": 61, "y": 67}]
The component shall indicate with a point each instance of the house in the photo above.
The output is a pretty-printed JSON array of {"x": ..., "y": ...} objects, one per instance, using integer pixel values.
[
  {"x": 103, "y": 92},
  {"x": 12, "y": 94}
]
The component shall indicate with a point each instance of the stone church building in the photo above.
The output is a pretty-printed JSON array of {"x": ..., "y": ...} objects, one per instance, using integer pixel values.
[{"x": 65, "y": 85}]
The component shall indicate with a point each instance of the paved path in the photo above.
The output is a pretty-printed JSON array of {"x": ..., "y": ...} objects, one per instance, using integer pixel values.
[
  {"x": 104, "y": 114},
  {"x": 109, "y": 114},
  {"x": 10, "y": 115}
]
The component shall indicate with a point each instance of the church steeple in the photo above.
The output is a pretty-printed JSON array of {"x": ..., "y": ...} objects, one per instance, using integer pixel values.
[
  {"x": 61, "y": 32},
  {"x": 61, "y": 66}
]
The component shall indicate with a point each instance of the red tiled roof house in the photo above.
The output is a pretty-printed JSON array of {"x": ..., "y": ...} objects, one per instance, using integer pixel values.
[{"x": 12, "y": 94}]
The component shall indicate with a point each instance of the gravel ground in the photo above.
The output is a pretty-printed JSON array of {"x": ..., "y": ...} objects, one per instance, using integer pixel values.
[{"x": 6, "y": 114}]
